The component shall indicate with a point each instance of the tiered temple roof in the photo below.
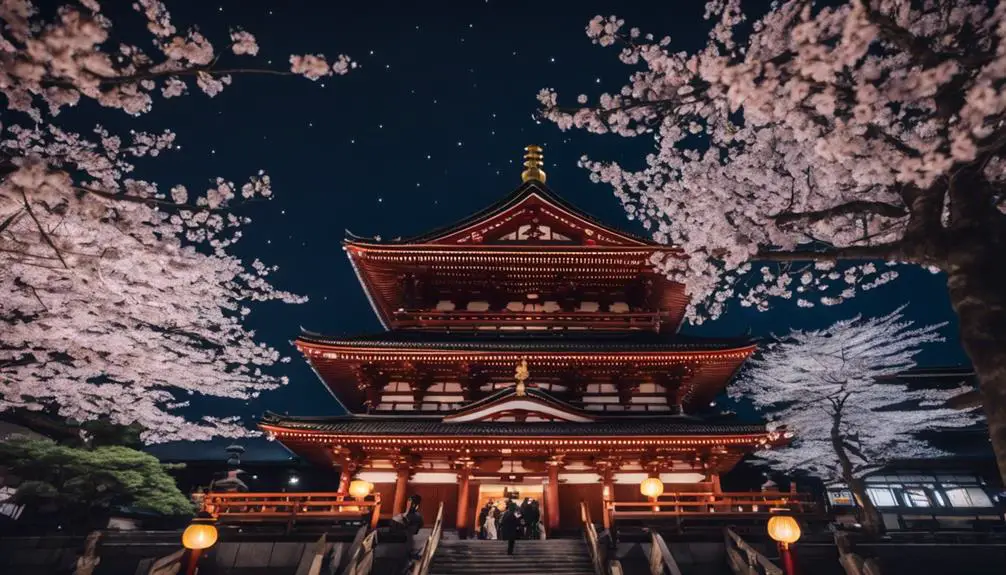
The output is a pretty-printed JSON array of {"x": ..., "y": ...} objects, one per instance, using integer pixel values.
[{"x": 528, "y": 342}]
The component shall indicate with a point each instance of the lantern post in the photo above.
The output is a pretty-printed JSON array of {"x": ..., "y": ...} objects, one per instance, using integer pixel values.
[
  {"x": 652, "y": 488},
  {"x": 785, "y": 531},
  {"x": 199, "y": 535}
]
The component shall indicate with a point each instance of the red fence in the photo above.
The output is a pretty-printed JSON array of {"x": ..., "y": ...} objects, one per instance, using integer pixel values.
[
  {"x": 685, "y": 504},
  {"x": 289, "y": 507}
]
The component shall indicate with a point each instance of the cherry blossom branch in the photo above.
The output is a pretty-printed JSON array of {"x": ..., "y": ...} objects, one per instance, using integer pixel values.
[
  {"x": 918, "y": 47},
  {"x": 884, "y": 209},
  {"x": 152, "y": 75},
  {"x": 893, "y": 250},
  {"x": 23, "y": 284},
  {"x": 114, "y": 196},
  {"x": 11, "y": 220},
  {"x": 41, "y": 229}
]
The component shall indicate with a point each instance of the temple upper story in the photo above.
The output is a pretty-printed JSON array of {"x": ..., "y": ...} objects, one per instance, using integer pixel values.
[
  {"x": 530, "y": 278},
  {"x": 530, "y": 262}
]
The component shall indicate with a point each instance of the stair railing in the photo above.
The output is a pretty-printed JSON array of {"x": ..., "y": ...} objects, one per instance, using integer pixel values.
[
  {"x": 422, "y": 565},
  {"x": 361, "y": 559},
  {"x": 661, "y": 560},
  {"x": 598, "y": 552},
  {"x": 746, "y": 560}
]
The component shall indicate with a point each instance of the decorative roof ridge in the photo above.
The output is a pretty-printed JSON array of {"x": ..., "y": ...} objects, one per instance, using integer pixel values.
[
  {"x": 532, "y": 392},
  {"x": 518, "y": 195}
]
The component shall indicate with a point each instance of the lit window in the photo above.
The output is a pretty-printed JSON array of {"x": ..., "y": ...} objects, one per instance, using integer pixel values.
[
  {"x": 881, "y": 497},
  {"x": 967, "y": 497},
  {"x": 916, "y": 497}
]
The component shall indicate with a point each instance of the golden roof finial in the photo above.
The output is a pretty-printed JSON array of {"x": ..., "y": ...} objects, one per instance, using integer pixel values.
[
  {"x": 533, "y": 162},
  {"x": 521, "y": 376}
]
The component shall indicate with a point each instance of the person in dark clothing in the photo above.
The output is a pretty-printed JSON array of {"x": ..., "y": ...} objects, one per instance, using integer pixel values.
[
  {"x": 411, "y": 521},
  {"x": 525, "y": 511},
  {"x": 510, "y": 526},
  {"x": 533, "y": 518}
]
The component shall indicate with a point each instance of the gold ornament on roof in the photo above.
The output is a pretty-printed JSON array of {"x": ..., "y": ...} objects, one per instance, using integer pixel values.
[
  {"x": 533, "y": 161},
  {"x": 521, "y": 376}
]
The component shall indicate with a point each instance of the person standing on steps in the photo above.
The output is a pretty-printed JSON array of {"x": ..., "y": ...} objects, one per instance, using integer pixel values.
[
  {"x": 525, "y": 512},
  {"x": 510, "y": 526},
  {"x": 490, "y": 520},
  {"x": 481, "y": 525},
  {"x": 533, "y": 518},
  {"x": 410, "y": 522}
]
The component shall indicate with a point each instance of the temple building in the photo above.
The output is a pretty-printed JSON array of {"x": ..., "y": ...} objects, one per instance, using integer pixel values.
[{"x": 529, "y": 351}]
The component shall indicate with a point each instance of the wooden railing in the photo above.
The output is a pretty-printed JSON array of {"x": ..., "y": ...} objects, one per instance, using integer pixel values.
[
  {"x": 611, "y": 320},
  {"x": 290, "y": 507},
  {"x": 598, "y": 554},
  {"x": 361, "y": 557},
  {"x": 422, "y": 565},
  {"x": 661, "y": 560},
  {"x": 746, "y": 560},
  {"x": 676, "y": 505}
]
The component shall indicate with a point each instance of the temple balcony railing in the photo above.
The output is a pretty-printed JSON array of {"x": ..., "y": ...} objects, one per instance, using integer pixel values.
[
  {"x": 675, "y": 506},
  {"x": 531, "y": 321},
  {"x": 289, "y": 508}
]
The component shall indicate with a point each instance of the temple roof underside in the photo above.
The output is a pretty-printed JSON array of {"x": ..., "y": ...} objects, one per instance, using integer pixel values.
[{"x": 621, "y": 372}]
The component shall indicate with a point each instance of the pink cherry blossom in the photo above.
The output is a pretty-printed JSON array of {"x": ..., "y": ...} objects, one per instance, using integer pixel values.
[
  {"x": 243, "y": 43},
  {"x": 122, "y": 296},
  {"x": 845, "y": 132},
  {"x": 312, "y": 67}
]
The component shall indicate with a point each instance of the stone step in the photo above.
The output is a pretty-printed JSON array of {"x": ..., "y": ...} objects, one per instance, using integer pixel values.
[
  {"x": 512, "y": 570},
  {"x": 534, "y": 557},
  {"x": 504, "y": 558}
]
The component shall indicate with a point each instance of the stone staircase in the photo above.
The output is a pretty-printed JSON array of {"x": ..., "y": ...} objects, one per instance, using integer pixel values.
[{"x": 532, "y": 557}]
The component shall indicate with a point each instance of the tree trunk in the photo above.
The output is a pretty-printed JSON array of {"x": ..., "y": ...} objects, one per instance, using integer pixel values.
[
  {"x": 977, "y": 285},
  {"x": 869, "y": 516}
]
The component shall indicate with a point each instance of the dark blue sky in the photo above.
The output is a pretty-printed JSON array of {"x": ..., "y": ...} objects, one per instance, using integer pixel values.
[{"x": 429, "y": 129}]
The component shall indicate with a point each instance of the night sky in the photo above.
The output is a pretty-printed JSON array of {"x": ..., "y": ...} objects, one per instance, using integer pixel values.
[{"x": 429, "y": 129}]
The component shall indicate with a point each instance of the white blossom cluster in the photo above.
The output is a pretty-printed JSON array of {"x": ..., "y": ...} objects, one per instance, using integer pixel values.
[
  {"x": 121, "y": 296},
  {"x": 815, "y": 129},
  {"x": 839, "y": 380}
]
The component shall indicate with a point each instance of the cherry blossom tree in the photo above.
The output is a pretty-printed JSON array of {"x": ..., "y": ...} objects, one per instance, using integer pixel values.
[
  {"x": 830, "y": 143},
  {"x": 842, "y": 376},
  {"x": 121, "y": 297}
]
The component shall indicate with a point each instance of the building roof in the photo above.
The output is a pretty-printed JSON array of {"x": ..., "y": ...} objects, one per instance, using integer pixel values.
[
  {"x": 571, "y": 341},
  {"x": 425, "y": 426},
  {"x": 515, "y": 198}
]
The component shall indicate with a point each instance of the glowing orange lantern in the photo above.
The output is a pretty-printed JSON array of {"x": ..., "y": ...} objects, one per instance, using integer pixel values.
[
  {"x": 199, "y": 535},
  {"x": 652, "y": 487},
  {"x": 359, "y": 488},
  {"x": 784, "y": 529}
]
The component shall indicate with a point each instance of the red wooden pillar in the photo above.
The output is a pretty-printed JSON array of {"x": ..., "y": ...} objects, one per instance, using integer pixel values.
[
  {"x": 401, "y": 487},
  {"x": 552, "y": 495},
  {"x": 607, "y": 472},
  {"x": 464, "y": 477}
]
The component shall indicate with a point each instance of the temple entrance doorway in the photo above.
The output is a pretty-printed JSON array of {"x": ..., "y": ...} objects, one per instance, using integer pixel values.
[{"x": 498, "y": 493}]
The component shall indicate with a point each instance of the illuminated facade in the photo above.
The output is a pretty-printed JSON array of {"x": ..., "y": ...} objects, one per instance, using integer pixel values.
[{"x": 528, "y": 349}]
